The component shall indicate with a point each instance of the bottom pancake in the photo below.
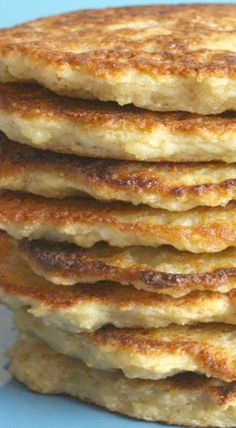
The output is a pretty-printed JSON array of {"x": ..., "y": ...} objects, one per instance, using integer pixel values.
[
  {"x": 140, "y": 353},
  {"x": 190, "y": 400}
]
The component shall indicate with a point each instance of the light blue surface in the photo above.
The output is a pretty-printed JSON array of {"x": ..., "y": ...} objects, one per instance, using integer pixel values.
[
  {"x": 16, "y": 11},
  {"x": 20, "y": 408}
]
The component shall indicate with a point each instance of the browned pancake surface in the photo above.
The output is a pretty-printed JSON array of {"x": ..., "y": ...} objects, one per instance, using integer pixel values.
[
  {"x": 103, "y": 302},
  {"x": 144, "y": 353},
  {"x": 174, "y": 186},
  {"x": 162, "y": 270},
  {"x": 159, "y": 57},
  {"x": 86, "y": 222}
]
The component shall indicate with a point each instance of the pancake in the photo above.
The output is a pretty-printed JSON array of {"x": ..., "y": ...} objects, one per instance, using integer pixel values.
[
  {"x": 146, "y": 354},
  {"x": 90, "y": 306},
  {"x": 86, "y": 222},
  {"x": 172, "y": 186},
  {"x": 32, "y": 115},
  {"x": 211, "y": 401},
  {"x": 163, "y": 58},
  {"x": 159, "y": 270}
]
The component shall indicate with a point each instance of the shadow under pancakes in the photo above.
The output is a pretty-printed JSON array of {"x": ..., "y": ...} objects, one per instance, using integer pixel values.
[{"x": 7, "y": 338}]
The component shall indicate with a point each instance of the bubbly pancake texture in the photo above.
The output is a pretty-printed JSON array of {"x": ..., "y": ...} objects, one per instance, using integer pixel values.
[
  {"x": 90, "y": 306},
  {"x": 146, "y": 354},
  {"x": 172, "y": 186},
  {"x": 159, "y": 270},
  {"x": 163, "y": 58},
  {"x": 86, "y": 222},
  {"x": 32, "y": 115},
  {"x": 183, "y": 400}
]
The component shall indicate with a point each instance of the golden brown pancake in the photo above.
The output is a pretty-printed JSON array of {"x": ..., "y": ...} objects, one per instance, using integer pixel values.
[
  {"x": 86, "y": 222},
  {"x": 172, "y": 186},
  {"x": 212, "y": 402},
  {"x": 32, "y": 115},
  {"x": 208, "y": 349},
  {"x": 90, "y": 306},
  {"x": 160, "y": 270},
  {"x": 157, "y": 57}
]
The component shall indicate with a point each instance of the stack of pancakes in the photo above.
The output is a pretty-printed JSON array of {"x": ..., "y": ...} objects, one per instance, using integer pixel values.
[{"x": 118, "y": 186}]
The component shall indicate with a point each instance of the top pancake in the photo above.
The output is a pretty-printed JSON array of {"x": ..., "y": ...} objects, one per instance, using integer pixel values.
[
  {"x": 35, "y": 116},
  {"x": 162, "y": 58}
]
